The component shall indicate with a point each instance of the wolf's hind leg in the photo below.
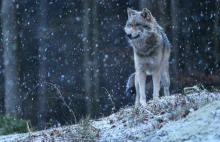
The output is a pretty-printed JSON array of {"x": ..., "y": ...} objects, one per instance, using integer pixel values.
[
  {"x": 156, "y": 84},
  {"x": 165, "y": 78}
]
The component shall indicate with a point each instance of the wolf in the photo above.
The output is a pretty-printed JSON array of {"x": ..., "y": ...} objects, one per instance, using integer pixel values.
[{"x": 151, "y": 49}]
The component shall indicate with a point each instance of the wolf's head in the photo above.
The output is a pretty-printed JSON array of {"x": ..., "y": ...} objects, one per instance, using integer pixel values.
[{"x": 139, "y": 23}]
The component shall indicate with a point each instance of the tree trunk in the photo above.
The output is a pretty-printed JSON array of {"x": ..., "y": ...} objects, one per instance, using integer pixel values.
[
  {"x": 145, "y": 4},
  {"x": 42, "y": 64},
  {"x": 96, "y": 62},
  {"x": 216, "y": 36},
  {"x": 9, "y": 27},
  {"x": 175, "y": 38},
  {"x": 87, "y": 65}
]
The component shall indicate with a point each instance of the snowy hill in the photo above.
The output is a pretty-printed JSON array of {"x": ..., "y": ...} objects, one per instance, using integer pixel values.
[{"x": 191, "y": 117}]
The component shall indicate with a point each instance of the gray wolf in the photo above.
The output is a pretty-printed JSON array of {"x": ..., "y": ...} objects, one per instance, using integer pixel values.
[{"x": 151, "y": 49}]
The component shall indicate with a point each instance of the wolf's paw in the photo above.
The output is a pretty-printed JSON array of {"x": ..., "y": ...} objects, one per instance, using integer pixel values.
[
  {"x": 166, "y": 92},
  {"x": 136, "y": 106},
  {"x": 143, "y": 103},
  {"x": 156, "y": 97}
]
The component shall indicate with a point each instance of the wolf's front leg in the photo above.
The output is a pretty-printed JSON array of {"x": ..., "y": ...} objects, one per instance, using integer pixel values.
[
  {"x": 137, "y": 98},
  {"x": 141, "y": 79},
  {"x": 156, "y": 83}
]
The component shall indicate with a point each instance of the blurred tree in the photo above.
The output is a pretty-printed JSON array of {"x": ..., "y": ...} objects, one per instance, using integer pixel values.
[
  {"x": 216, "y": 31},
  {"x": 96, "y": 56},
  {"x": 43, "y": 45},
  {"x": 2, "y": 92},
  {"x": 145, "y": 4},
  {"x": 91, "y": 44},
  {"x": 163, "y": 14},
  {"x": 175, "y": 31},
  {"x": 87, "y": 65},
  {"x": 9, "y": 27}
]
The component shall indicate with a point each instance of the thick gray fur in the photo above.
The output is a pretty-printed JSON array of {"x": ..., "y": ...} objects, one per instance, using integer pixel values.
[{"x": 151, "y": 53}]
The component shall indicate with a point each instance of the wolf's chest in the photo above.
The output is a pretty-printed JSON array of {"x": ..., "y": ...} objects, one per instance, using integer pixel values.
[
  {"x": 143, "y": 47},
  {"x": 146, "y": 63}
]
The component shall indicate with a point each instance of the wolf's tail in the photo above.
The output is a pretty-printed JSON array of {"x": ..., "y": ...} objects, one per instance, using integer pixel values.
[{"x": 130, "y": 86}]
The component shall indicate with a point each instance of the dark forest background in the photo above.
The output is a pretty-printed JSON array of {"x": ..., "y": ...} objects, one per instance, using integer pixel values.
[{"x": 62, "y": 59}]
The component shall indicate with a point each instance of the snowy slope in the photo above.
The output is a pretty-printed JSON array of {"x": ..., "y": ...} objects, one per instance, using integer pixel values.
[
  {"x": 202, "y": 125},
  {"x": 193, "y": 117}
]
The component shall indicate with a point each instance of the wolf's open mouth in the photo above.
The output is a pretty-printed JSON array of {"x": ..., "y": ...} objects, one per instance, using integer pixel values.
[{"x": 134, "y": 37}]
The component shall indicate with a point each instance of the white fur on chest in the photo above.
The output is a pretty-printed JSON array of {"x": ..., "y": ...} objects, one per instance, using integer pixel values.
[{"x": 147, "y": 64}]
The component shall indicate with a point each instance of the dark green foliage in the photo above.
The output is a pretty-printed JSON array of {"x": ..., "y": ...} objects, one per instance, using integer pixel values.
[{"x": 10, "y": 125}]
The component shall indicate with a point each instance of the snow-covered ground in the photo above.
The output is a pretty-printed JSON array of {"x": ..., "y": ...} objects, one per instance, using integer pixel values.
[
  {"x": 194, "y": 117},
  {"x": 202, "y": 125}
]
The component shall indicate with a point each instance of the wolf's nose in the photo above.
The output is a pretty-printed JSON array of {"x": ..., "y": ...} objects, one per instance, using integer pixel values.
[{"x": 129, "y": 35}]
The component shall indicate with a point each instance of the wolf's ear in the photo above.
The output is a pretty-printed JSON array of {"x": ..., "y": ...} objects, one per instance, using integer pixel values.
[
  {"x": 130, "y": 12},
  {"x": 146, "y": 14}
]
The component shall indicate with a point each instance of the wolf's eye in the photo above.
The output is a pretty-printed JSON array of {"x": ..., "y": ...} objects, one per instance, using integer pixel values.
[
  {"x": 137, "y": 24},
  {"x": 147, "y": 27},
  {"x": 130, "y": 25}
]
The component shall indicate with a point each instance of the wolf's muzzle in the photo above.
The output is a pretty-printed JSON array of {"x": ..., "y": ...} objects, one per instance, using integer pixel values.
[{"x": 130, "y": 36}]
